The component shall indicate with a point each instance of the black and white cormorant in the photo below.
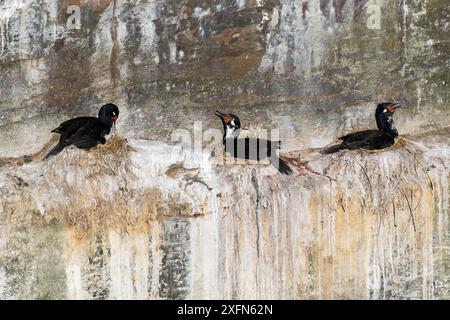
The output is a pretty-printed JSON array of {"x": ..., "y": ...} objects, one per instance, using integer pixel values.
[
  {"x": 384, "y": 137},
  {"x": 86, "y": 132},
  {"x": 250, "y": 148}
]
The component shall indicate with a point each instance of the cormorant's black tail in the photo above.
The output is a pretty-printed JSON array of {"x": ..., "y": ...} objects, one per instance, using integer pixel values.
[
  {"x": 57, "y": 149},
  {"x": 282, "y": 166},
  {"x": 333, "y": 149}
]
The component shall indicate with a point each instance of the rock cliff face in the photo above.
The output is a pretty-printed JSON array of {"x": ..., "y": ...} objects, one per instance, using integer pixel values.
[
  {"x": 163, "y": 220},
  {"x": 173, "y": 223}
]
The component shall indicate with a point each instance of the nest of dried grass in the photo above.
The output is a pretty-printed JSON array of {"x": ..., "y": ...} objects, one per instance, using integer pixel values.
[{"x": 111, "y": 158}]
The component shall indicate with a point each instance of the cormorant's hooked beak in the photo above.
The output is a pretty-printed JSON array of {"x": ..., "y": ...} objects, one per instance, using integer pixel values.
[
  {"x": 225, "y": 117},
  {"x": 393, "y": 107},
  {"x": 220, "y": 114}
]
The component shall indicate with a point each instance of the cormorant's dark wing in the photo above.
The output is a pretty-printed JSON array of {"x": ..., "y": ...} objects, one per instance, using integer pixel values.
[
  {"x": 251, "y": 148},
  {"x": 368, "y": 139},
  {"x": 257, "y": 149},
  {"x": 359, "y": 135},
  {"x": 80, "y": 121},
  {"x": 79, "y": 132},
  {"x": 83, "y": 138}
]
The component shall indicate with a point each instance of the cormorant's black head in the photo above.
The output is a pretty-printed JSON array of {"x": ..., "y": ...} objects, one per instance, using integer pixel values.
[
  {"x": 384, "y": 116},
  {"x": 387, "y": 108},
  {"x": 231, "y": 124},
  {"x": 108, "y": 114}
]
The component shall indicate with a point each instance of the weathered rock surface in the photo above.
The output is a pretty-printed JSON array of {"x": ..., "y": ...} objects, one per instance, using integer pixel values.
[
  {"x": 316, "y": 68},
  {"x": 168, "y": 226},
  {"x": 175, "y": 224}
]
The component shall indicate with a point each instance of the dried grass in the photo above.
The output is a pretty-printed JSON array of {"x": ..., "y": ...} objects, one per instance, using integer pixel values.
[
  {"x": 88, "y": 191},
  {"x": 126, "y": 211},
  {"x": 111, "y": 158}
]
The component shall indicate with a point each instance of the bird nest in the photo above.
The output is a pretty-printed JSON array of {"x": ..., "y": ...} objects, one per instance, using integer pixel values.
[
  {"x": 401, "y": 143},
  {"x": 112, "y": 158},
  {"x": 115, "y": 144}
]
